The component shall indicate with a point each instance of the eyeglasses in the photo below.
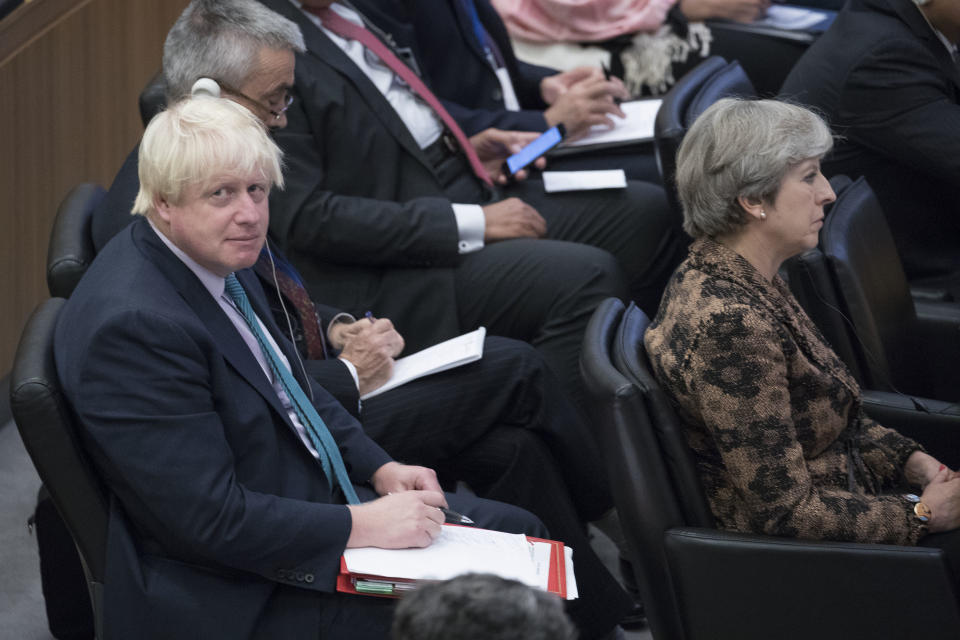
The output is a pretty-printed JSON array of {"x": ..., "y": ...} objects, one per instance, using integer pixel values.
[{"x": 277, "y": 103}]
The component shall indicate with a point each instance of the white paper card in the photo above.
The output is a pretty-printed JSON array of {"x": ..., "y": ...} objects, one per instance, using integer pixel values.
[{"x": 584, "y": 180}]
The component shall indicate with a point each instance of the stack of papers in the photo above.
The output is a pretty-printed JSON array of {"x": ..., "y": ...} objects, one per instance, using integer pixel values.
[{"x": 543, "y": 564}]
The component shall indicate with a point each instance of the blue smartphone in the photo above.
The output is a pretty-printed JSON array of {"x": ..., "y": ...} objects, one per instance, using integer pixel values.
[{"x": 546, "y": 141}]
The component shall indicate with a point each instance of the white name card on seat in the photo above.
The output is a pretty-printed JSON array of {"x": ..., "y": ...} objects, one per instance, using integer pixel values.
[{"x": 554, "y": 181}]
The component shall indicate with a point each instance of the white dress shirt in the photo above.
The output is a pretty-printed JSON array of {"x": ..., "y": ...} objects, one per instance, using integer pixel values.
[{"x": 424, "y": 125}]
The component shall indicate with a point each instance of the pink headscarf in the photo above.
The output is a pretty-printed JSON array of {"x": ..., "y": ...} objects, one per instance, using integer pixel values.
[{"x": 580, "y": 20}]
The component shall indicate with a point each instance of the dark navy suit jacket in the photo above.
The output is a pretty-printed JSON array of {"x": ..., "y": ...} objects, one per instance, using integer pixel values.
[
  {"x": 235, "y": 524},
  {"x": 888, "y": 85},
  {"x": 453, "y": 63}
]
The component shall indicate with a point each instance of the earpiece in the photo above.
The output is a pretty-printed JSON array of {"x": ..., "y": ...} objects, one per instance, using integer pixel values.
[
  {"x": 286, "y": 314},
  {"x": 205, "y": 87}
]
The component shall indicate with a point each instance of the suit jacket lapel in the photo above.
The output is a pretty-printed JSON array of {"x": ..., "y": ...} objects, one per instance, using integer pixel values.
[
  {"x": 222, "y": 331},
  {"x": 465, "y": 24},
  {"x": 257, "y": 296},
  {"x": 320, "y": 47}
]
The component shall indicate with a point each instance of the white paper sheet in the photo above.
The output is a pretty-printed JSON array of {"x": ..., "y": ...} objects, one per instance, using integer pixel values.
[
  {"x": 584, "y": 180},
  {"x": 636, "y": 127},
  {"x": 440, "y": 357}
]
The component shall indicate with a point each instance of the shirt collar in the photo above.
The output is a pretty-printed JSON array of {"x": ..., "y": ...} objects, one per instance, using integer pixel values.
[
  {"x": 211, "y": 281},
  {"x": 951, "y": 47}
]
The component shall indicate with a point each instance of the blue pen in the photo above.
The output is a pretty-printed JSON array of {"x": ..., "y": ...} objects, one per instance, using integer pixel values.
[{"x": 369, "y": 316}]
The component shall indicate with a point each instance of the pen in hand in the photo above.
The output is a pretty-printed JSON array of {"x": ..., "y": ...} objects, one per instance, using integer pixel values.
[
  {"x": 369, "y": 316},
  {"x": 607, "y": 76},
  {"x": 453, "y": 517}
]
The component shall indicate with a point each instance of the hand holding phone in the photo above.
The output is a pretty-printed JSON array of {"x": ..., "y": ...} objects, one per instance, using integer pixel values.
[{"x": 529, "y": 154}]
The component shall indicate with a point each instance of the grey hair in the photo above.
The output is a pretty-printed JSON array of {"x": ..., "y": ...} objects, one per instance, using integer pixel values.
[
  {"x": 221, "y": 39},
  {"x": 479, "y": 606},
  {"x": 742, "y": 148},
  {"x": 197, "y": 141}
]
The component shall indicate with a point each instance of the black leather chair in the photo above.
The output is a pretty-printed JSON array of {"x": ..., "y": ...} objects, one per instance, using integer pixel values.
[
  {"x": 701, "y": 583},
  {"x": 71, "y": 250},
  {"x": 712, "y": 79},
  {"x": 47, "y": 427}
]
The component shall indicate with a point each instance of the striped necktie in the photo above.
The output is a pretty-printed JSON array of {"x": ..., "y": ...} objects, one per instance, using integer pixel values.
[
  {"x": 316, "y": 429},
  {"x": 335, "y": 23}
]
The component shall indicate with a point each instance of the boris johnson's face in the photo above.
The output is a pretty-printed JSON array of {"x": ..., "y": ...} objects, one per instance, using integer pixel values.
[
  {"x": 222, "y": 226},
  {"x": 795, "y": 217}
]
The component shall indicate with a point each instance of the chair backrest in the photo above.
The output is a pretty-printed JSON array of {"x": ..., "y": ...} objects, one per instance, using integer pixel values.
[
  {"x": 71, "y": 249},
  {"x": 47, "y": 427},
  {"x": 153, "y": 98},
  {"x": 630, "y": 358},
  {"x": 642, "y": 487},
  {"x": 712, "y": 79},
  {"x": 873, "y": 291}
]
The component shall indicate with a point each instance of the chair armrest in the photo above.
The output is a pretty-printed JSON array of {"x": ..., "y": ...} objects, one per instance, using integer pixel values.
[
  {"x": 933, "y": 423},
  {"x": 938, "y": 339},
  {"x": 733, "y": 585}
]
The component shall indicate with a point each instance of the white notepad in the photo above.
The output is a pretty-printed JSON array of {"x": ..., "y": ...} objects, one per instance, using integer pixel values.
[
  {"x": 454, "y": 352},
  {"x": 636, "y": 127}
]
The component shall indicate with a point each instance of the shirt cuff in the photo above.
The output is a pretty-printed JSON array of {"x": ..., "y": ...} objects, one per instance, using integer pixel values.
[
  {"x": 352, "y": 369},
  {"x": 341, "y": 318},
  {"x": 471, "y": 224}
]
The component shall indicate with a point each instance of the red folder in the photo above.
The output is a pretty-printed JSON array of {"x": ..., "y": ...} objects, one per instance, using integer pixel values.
[{"x": 388, "y": 587}]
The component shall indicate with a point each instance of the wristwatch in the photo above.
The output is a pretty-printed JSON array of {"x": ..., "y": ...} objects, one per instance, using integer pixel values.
[{"x": 920, "y": 510}]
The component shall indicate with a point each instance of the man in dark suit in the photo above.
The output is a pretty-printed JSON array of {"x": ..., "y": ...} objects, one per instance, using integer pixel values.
[
  {"x": 489, "y": 87},
  {"x": 443, "y": 31},
  {"x": 500, "y": 424},
  {"x": 230, "y": 507},
  {"x": 371, "y": 218},
  {"x": 885, "y": 76}
]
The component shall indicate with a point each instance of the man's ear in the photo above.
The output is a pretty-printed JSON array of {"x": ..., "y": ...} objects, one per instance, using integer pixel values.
[
  {"x": 753, "y": 207},
  {"x": 162, "y": 207}
]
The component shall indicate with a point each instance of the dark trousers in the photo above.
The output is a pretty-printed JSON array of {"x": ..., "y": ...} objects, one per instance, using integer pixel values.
[
  {"x": 634, "y": 224},
  {"x": 503, "y": 426}
]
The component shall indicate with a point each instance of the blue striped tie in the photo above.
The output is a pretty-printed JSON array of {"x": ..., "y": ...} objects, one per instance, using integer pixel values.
[{"x": 317, "y": 431}]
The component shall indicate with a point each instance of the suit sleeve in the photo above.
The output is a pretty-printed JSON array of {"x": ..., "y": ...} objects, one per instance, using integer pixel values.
[
  {"x": 149, "y": 406},
  {"x": 473, "y": 121},
  {"x": 347, "y": 229},
  {"x": 898, "y": 102},
  {"x": 737, "y": 385}
]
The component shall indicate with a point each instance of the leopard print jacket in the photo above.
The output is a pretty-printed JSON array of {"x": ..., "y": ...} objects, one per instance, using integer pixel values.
[{"x": 773, "y": 416}]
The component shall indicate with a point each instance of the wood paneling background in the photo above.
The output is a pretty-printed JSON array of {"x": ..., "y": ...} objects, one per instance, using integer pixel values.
[{"x": 70, "y": 74}]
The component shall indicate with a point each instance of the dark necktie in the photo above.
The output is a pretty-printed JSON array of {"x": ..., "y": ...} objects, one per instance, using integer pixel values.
[
  {"x": 331, "y": 20},
  {"x": 316, "y": 429},
  {"x": 293, "y": 290}
]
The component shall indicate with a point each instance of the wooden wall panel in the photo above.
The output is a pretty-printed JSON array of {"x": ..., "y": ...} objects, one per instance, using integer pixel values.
[{"x": 68, "y": 114}]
